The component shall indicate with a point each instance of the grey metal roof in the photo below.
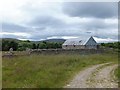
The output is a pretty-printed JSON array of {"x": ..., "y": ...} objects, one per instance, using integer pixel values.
[{"x": 76, "y": 41}]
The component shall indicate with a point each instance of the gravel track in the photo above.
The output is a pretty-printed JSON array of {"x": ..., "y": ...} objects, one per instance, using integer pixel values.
[{"x": 102, "y": 78}]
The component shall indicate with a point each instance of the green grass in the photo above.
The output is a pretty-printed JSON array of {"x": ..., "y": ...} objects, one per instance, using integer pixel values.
[
  {"x": 117, "y": 75},
  {"x": 47, "y": 71},
  {"x": 0, "y": 70}
]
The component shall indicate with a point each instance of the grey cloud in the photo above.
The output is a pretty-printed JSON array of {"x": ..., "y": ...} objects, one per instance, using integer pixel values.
[
  {"x": 77, "y": 29},
  {"x": 10, "y": 36},
  {"x": 91, "y": 9},
  {"x": 10, "y": 27},
  {"x": 88, "y": 32},
  {"x": 44, "y": 29},
  {"x": 99, "y": 24},
  {"x": 41, "y": 27},
  {"x": 56, "y": 32},
  {"x": 47, "y": 21}
]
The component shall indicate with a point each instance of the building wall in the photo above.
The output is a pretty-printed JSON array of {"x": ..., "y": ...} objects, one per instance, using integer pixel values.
[
  {"x": 79, "y": 47},
  {"x": 91, "y": 46},
  {"x": 73, "y": 47},
  {"x": 91, "y": 42}
]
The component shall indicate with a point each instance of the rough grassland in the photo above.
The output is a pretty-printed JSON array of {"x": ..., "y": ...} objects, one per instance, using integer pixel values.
[
  {"x": 117, "y": 75},
  {"x": 47, "y": 71},
  {"x": 0, "y": 70}
]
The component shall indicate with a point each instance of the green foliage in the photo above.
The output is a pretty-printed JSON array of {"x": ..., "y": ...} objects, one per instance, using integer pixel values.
[
  {"x": 49, "y": 45},
  {"x": 37, "y": 46},
  {"x": 33, "y": 46},
  {"x": 42, "y": 46},
  {"x": 22, "y": 45},
  {"x": 13, "y": 45},
  {"x": 117, "y": 75},
  {"x": 115, "y": 45},
  {"x": 6, "y": 45}
]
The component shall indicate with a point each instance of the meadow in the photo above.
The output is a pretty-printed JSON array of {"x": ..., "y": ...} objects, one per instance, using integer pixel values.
[
  {"x": 117, "y": 75},
  {"x": 48, "y": 71}
]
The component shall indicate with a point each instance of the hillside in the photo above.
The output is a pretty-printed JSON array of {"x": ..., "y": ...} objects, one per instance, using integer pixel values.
[
  {"x": 47, "y": 40},
  {"x": 55, "y": 40},
  {"x": 9, "y": 39},
  {"x": 20, "y": 45}
]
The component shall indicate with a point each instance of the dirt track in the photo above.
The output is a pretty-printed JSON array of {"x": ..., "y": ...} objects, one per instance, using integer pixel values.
[{"x": 98, "y": 76}]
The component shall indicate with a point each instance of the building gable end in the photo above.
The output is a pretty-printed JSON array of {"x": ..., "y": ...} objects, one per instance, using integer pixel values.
[{"x": 91, "y": 41}]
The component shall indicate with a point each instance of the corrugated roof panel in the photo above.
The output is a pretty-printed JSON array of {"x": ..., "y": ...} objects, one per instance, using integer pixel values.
[{"x": 76, "y": 41}]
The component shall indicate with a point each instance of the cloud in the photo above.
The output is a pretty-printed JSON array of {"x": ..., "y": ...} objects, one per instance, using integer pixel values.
[
  {"x": 62, "y": 37},
  {"x": 91, "y": 9},
  {"x": 47, "y": 21},
  {"x": 105, "y": 40},
  {"x": 100, "y": 24},
  {"x": 11, "y": 27},
  {"x": 43, "y": 20},
  {"x": 15, "y": 34}
]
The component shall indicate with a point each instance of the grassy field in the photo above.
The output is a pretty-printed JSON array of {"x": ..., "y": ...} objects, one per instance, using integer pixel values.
[
  {"x": 0, "y": 70},
  {"x": 117, "y": 75},
  {"x": 47, "y": 71}
]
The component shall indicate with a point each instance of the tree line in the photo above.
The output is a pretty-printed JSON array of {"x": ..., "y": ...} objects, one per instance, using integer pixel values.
[
  {"x": 22, "y": 45},
  {"x": 114, "y": 45},
  {"x": 18, "y": 45}
]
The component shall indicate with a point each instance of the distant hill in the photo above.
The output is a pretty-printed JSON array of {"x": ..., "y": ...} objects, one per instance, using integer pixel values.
[
  {"x": 50, "y": 40},
  {"x": 55, "y": 40},
  {"x": 10, "y": 39},
  {"x": 47, "y": 40}
]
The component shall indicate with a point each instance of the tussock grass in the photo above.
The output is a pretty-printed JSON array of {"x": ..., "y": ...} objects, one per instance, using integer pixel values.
[
  {"x": 47, "y": 71},
  {"x": 117, "y": 75}
]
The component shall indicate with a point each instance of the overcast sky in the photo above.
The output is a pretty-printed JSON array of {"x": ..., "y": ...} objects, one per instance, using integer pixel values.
[{"x": 36, "y": 20}]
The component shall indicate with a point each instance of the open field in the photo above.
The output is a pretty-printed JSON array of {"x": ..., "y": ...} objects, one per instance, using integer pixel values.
[
  {"x": 0, "y": 70},
  {"x": 117, "y": 75},
  {"x": 48, "y": 71}
]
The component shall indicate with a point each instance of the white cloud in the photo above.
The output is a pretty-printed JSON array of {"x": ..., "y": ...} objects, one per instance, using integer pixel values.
[
  {"x": 69, "y": 37},
  {"x": 101, "y": 40},
  {"x": 16, "y": 34},
  {"x": 59, "y": 25},
  {"x": 11, "y": 10},
  {"x": 62, "y": 37},
  {"x": 21, "y": 11}
]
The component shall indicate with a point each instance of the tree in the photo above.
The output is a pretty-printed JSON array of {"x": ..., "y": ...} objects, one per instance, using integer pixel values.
[
  {"x": 34, "y": 46},
  {"x": 56, "y": 45},
  {"x": 44, "y": 42},
  {"x": 42, "y": 46},
  {"x": 37, "y": 46},
  {"x": 5, "y": 45},
  {"x": 103, "y": 44},
  {"x": 23, "y": 45},
  {"x": 13, "y": 45}
]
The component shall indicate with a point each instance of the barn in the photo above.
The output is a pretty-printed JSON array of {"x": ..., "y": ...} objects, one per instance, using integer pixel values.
[{"x": 89, "y": 43}]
